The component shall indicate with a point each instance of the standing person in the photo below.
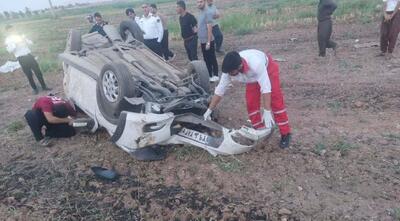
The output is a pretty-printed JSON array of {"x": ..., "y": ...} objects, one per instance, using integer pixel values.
[
  {"x": 207, "y": 40},
  {"x": 98, "y": 25},
  {"x": 325, "y": 11},
  {"x": 390, "y": 27},
  {"x": 188, "y": 25},
  {"x": 219, "y": 37},
  {"x": 18, "y": 45},
  {"x": 261, "y": 75},
  {"x": 164, "y": 42},
  {"x": 131, "y": 25},
  {"x": 153, "y": 30},
  {"x": 55, "y": 114}
]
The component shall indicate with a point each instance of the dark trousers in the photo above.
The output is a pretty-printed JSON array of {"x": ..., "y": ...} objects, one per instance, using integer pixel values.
[
  {"x": 36, "y": 120},
  {"x": 324, "y": 36},
  {"x": 210, "y": 58},
  {"x": 218, "y": 37},
  {"x": 191, "y": 48},
  {"x": 29, "y": 64},
  {"x": 153, "y": 45},
  {"x": 389, "y": 33},
  {"x": 165, "y": 46}
]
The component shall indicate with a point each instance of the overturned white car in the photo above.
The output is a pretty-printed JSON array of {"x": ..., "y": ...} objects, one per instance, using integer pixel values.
[{"x": 140, "y": 99}]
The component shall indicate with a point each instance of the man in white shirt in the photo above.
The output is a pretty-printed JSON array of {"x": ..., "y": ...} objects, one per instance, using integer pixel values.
[
  {"x": 18, "y": 45},
  {"x": 153, "y": 30},
  {"x": 260, "y": 73},
  {"x": 168, "y": 54},
  {"x": 390, "y": 27}
]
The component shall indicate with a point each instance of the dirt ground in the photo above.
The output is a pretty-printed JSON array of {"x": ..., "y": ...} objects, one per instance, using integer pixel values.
[{"x": 343, "y": 164}]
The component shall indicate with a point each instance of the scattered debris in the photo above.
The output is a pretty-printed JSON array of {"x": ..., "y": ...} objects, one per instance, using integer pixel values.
[
  {"x": 10, "y": 66},
  {"x": 367, "y": 45},
  {"x": 280, "y": 59},
  {"x": 284, "y": 211}
]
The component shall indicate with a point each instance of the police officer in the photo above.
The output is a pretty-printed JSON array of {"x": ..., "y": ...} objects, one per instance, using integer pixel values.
[
  {"x": 153, "y": 30},
  {"x": 18, "y": 45},
  {"x": 168, "y": 55}
]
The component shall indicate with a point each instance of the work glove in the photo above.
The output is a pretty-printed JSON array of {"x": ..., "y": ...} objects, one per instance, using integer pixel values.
[
  {"x": 268, "y": 119},
  {"x": 207, "y": 114}
]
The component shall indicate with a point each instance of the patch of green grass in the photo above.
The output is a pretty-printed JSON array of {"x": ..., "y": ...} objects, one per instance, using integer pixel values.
[
  {"x": 343, "y": 147},
  {"x": 243, "y": 31},
  {"x": 391, "y": 136},
  {"x": 319, "y": 148},
  {"x": 15, "y": 126},
  {"x": 49, "y": 65},
  {"x": 296, "y": 66},
  {"x": 395, "y": 213},
  {"x": 184, "y": 153},
  {"x": 226, "y": 164},
  {"x": 335, "y": 106},
  {"x": 278, "y": 186}
]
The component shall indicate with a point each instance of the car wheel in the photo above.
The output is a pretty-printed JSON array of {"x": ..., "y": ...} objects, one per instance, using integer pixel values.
[
  {"x": 114, "y": 83},
  {"x": 74, "y": 42},
  {"x": 199, "y": 70}
]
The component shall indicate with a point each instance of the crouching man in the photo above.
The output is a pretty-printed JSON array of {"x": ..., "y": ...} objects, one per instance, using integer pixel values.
[
  {"x": 55, "y": 114},
  {"x": 261, "y": 75}
]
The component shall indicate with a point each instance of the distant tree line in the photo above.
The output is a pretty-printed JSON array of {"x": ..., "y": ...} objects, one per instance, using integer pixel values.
[{"x": 27, "y": 13}]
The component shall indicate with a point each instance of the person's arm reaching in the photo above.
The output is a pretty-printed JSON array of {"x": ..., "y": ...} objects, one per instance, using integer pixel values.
[
  {"x": 265, "y": 89},
  {"x": 219, "y": 92},
  {"x": 265, "y": 85}
]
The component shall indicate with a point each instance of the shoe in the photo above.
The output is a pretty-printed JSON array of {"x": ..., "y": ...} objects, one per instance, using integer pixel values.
[
  {"x": 335, "y": 50},
  {"x": 47, "y": 88},
  {"x": 381, "y": 54},
  {"x": 172, "y": 58},
  {"x": 35, "y": 91},
  {"x": 389, "y": 56},
  {"x": 254, "y": 134},
  {"x": 214, "y": 78},
  {"x": 45, "y": 142},
  {"x": 285, "y": 141}
]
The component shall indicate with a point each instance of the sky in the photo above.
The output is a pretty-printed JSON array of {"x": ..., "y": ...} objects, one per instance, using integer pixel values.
[{"x": 16, "y": 5}]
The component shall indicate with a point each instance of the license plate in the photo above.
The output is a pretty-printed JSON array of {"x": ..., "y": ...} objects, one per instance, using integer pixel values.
[{"x": 194, "y": 135}]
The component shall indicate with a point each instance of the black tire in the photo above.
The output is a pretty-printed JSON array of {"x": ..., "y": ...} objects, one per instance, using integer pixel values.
[
  {"x": 133, "y": 28},
  {"x": 74, "y": 42},
  {"x": 202, "y": 77},
  {"x": 111, "y": 109}
]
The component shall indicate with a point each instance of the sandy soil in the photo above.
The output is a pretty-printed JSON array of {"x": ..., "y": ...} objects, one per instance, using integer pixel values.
[{"x": 343, "y": 164}]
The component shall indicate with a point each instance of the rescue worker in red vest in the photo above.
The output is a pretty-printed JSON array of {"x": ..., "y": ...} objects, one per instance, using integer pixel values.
[
  {"x": 55, "y": 114},
  {"x": 261, "y": 75}
]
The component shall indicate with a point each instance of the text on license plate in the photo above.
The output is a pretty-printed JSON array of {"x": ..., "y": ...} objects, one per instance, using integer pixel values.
[{"x": 194, "y": 135}]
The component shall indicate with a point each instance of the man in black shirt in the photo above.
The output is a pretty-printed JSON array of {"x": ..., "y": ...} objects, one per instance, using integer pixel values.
[
  {"x": 325, "y": 11},
  {"x": 98, "y": 26},
  {"x": 188, "y": 25}
]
